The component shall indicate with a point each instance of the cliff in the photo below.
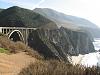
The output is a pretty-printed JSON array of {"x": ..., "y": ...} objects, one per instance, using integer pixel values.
[{"x": 60, "y": 43}]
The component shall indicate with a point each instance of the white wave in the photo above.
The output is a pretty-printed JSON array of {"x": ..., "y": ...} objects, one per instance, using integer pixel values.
[
  {"x": 91, "y": 59},
  {"x": 97, "y": 43}
]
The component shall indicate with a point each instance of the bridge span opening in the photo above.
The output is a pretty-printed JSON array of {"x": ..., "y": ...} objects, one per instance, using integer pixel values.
[{"x": 16, "y": 35}]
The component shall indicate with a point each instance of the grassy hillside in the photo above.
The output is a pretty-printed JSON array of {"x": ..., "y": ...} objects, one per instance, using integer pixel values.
[
  {"x": 20, "y": 17},
  {"x": 54, "y": 67},
  {"x": 8, "y": 46}
]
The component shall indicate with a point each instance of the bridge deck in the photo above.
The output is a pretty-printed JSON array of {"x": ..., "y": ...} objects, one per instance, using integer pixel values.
[{"x": 16, "y": 28}]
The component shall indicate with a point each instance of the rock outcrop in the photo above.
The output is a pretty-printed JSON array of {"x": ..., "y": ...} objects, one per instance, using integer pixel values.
[{"x": 60, "y": 43}]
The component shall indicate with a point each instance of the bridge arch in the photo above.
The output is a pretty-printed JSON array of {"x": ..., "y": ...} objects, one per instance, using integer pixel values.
[{"x": 16, "y": 35}]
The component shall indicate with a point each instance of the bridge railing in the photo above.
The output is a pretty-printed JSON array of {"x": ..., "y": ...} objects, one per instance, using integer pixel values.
[{"x": 16, "y": 28}]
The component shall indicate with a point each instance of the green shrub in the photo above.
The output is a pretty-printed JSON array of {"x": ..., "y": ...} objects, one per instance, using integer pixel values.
[{"x": 2, "y": 50}]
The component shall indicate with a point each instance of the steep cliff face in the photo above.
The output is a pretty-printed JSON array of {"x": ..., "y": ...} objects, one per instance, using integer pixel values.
[{"x": 59, "y": 43}]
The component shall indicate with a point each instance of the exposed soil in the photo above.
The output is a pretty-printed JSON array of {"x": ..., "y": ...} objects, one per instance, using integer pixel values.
[{"x": 14, "y": 63}]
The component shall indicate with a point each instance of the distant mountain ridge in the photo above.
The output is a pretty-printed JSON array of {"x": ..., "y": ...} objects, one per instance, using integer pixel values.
[
  {"x": 68, "y": 21},
  {"x": 62, "y": 18}
]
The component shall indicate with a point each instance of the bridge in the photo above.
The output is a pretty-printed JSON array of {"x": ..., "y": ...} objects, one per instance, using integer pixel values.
[{"x": 17, "y": 33}]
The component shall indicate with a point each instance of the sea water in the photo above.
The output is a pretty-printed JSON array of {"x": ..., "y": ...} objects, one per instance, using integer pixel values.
[{"x": 97, "y": 43}]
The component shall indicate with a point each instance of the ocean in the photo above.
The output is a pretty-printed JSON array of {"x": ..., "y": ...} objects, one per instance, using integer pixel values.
[{"x": 97, "y": 43}]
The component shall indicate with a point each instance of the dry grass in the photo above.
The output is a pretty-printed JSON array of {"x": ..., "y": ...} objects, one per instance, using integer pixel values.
[
  {"x": 15, "y": 47},
  {"x": 54, "y": 67}
]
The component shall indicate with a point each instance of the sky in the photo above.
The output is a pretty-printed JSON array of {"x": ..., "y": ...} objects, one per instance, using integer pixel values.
[{"x": 88, "y": 9}]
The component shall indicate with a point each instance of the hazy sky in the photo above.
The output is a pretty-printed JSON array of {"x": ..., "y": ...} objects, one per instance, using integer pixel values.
[{"x": 89, "y": 9}]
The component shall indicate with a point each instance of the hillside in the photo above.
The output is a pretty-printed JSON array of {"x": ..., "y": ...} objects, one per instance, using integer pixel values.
[
  {"x": 68, "y": 21},
  {"x": 14, "y": 56},
  {"x": 22, "y": 60},
  {"x": 62, "y": 18},
  {"x": 20, "y": 17}
]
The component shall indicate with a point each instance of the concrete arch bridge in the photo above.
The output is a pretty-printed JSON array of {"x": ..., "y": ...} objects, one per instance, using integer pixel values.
[{"x": 17, "y": 33}]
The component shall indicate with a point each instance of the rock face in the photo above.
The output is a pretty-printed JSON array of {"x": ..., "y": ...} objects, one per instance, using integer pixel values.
[{"x": 59, "y": 43}]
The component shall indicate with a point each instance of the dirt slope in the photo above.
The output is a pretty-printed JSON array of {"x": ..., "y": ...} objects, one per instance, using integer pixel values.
[{"x": 12, "y": 64}]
